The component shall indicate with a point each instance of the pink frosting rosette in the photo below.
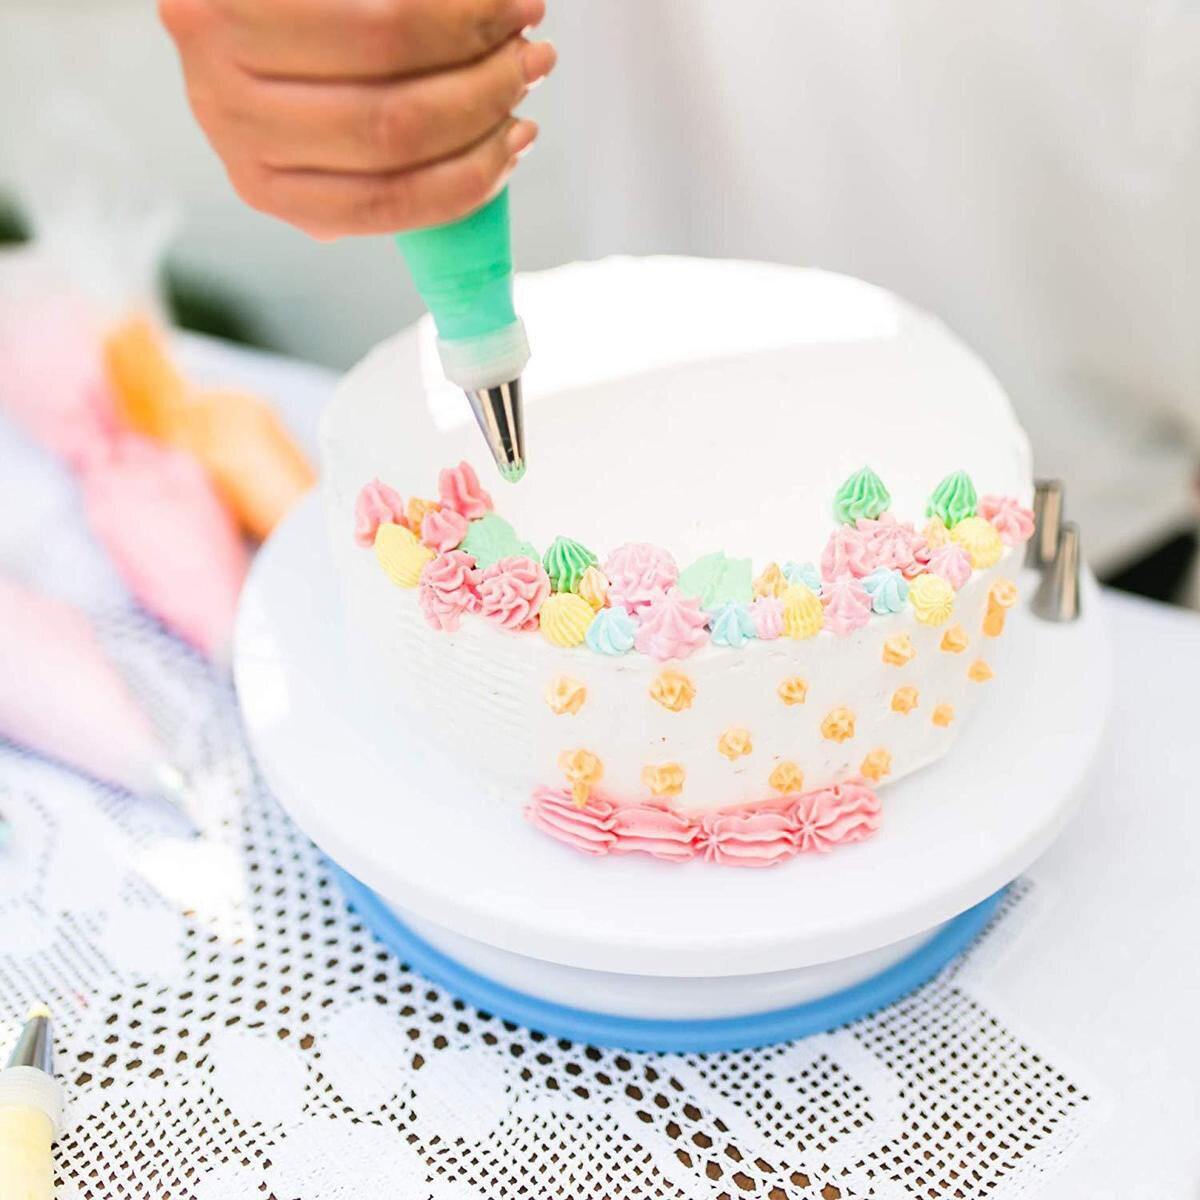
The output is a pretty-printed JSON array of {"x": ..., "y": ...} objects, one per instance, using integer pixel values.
[
  {"x": 846, "y": 553},
  {"x": 1013, "y": 521},
  {"x": 951, "y": 563},
  {"x": 459, "y": 489},
  {"x": 834, "y": 816},
  {"x": 747, "y": 839},
  {"x": 587, "y": 828},
  {"x": 847, "y": 605},
  {"x": 890, "y": 543},
  {"x": 767, "y": 614},
  {"x": 512, "y": 590},
  {"x": 638, "y": 574},
  {"x": 447, "y": 589},
  {"x": 443, "y": 528},
  {"x": 377, "y": 504},
  {"x": 672, "y": 627},
  {"x": 654, "y": 829}
]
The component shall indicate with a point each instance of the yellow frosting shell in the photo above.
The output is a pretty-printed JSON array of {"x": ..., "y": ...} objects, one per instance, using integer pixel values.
[
  {"x": 932, "y": 599},
  {"x": 564, "y": 619},
  {"x": 803, "y": 615},
  {"x": 401, "y": 554},
  {"x": 980, "y": 539}
]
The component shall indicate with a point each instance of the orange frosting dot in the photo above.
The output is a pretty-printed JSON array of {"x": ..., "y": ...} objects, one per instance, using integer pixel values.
[
  {"x": 954, "y": 640},
  {"x": 904, "y": 699},
  {"x": 565, "y": 695},
  {"x": 876, "y": 765},
  {"x": 772, "y": 581},
  {"x": 583, "y": 770},
  {"x": 664, "y": 779},
  {"x": 673, "y": 690},
  {"x": 735, "y": 742},
  {"x": 898, "y": 650},
  {"x": 793, "y": 690},
  {"x": 838, "y": 725},
  {"x": 787, "y": 777},
  {"x": 979, "y": 671},
  {"x": 943, "y": 715}
]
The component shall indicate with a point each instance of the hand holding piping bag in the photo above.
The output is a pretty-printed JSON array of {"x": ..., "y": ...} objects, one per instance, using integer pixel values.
[{"x": 359, "y": 120}]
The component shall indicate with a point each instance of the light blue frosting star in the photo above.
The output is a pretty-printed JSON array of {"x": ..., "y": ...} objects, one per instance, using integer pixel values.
[
  {"x": 888, "y": 591},
  {"x": 732, "y": 625},
  {"x": 804, "y": 573},
  {"x": 611, "y": 632}
]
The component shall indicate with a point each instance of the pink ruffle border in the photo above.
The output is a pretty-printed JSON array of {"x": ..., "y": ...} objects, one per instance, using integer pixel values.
[{"x": 752, "y": 835}]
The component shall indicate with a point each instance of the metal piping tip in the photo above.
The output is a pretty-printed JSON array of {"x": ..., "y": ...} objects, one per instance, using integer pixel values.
[
  {"x": 173, "y": 786},
  {"x": 35, "y": 1045},
  {"x": 1057, "y": 597},
  {"x": 498, "y": 412},
  {"x": 1047, "y": 516}
]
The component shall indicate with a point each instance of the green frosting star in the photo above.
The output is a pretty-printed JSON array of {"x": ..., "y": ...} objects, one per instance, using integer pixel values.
[
  {"x": 862, "y": 495},
  {"x": 717, "y": 579},
  {"x": 565, "y": 563},
  {"x": 953, "y": 499},
  {"x": 492, "y": 538}
]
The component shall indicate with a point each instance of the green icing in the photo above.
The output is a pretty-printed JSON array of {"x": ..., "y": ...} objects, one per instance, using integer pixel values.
[
  {"x": 492, "y": 538},
  {"x": 862, "y": 495},
  {"x": 953, "y": 499},
  {"x": 565, "y": 563},
  {"x": 717, "y": 579}
]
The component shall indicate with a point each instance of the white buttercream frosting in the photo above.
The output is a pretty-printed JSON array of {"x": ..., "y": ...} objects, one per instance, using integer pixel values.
[{"x": 733, "y": 436}]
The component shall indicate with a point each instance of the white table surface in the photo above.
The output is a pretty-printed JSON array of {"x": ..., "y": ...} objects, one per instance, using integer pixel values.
[{"x": 1080, "y": 1003}]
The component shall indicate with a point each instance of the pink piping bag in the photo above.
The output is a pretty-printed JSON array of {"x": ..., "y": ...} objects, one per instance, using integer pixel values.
[
  {"x": 173, "y": 542},
  {"x": 62, "y": 697},
  {"x": 154, "y": 509}
]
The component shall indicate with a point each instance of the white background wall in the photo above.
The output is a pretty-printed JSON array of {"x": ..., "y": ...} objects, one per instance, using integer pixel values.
[{"x": 1029, "y": 170}]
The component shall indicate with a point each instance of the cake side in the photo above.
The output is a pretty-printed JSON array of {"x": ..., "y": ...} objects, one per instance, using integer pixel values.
[{"x": 726, "y": 706}]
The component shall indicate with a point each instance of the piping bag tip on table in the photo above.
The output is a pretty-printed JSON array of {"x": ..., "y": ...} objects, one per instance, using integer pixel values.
[
  {"x": 463, "y": 272},
  {"x": 31, "y": 1106}
]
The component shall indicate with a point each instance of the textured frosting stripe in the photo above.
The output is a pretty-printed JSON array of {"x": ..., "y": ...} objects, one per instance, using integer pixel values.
[{"x": 754, "y": 835}]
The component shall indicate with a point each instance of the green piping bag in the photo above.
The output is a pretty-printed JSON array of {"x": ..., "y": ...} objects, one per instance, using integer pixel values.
[{"x": 463, "y": 272}]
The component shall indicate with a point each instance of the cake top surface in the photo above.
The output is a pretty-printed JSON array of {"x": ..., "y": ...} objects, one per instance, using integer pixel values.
[{"x": 698, "y": 405}]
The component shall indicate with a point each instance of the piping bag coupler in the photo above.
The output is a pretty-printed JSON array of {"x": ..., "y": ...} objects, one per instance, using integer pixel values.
[{"x": 463, "y": 272}]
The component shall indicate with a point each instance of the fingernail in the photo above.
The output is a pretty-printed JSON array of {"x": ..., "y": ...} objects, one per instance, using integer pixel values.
[
  {"x": 537, "y": 61},
  {"x": 520, "y": 137},
  {"x": 530, "y": 12}
]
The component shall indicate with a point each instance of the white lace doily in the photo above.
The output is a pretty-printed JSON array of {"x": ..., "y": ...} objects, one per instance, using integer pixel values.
[{"x": 226, "y": 1029}]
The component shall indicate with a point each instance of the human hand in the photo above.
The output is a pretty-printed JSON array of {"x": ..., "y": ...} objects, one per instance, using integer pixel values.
[{"x": 361, "y": 116}]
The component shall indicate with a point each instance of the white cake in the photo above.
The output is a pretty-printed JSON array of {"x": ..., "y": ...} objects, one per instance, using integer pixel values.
[{"x": 695, "y": 407}]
